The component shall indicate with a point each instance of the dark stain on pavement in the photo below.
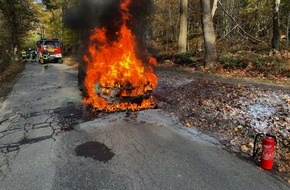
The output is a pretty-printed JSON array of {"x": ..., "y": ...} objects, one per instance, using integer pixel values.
[
  {"x": 96, "y": 150},
  {"x": 34, "y": 140},
  {"x": 70, "y": 111},
  {"x": 73, "y": 114},
  {"x": 24, "y": 141},
  {"x": 68, "y": 116}
]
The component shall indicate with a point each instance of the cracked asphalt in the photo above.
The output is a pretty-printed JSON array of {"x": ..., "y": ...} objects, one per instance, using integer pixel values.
[{"x": 43, "y": 125}]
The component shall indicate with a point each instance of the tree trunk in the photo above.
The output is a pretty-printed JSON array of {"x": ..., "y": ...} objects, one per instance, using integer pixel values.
[
  {"x": 182, "y": 41},
  {"x": 276, "y": 31},
  {"x": 214, "y": 7},
  {"x": 288, "y": 30},
  {"x": 208, "y": 34}
]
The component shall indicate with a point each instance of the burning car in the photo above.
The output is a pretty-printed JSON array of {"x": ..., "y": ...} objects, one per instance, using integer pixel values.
[
  {"x": 114, "y": 94},
  {"x": 114, "y": 75}
]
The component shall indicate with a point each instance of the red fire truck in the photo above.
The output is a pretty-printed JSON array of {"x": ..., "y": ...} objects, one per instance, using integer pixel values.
[{"x": 49, "y": 50}]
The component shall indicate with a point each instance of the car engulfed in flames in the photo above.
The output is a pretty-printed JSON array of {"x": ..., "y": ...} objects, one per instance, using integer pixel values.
[{"x": 113, "y": 77}]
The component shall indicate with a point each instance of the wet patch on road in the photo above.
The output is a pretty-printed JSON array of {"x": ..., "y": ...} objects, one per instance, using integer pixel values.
[
  {"x": 71, "y": 111},
  {"x": 76, "y": 113},
  {"x": 96, "y": 150},
  {"x": 69, "y": 116}
]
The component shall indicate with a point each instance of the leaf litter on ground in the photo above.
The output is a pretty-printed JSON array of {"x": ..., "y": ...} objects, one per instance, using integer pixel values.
[{"x": 231, "y": 110}]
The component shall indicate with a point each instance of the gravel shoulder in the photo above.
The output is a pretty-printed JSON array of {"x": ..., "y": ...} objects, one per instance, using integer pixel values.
[{"x": 8, "y": 79}]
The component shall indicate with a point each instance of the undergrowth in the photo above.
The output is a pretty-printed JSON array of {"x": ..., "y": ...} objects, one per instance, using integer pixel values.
[
  {"x": 242, "y": 60},
  {"x": 11, "y": 72},
  {"x": 256, "y": 64}
]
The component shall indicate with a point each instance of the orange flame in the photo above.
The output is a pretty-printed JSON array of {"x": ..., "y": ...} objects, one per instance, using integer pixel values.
[{"x": 113, "y": 69}]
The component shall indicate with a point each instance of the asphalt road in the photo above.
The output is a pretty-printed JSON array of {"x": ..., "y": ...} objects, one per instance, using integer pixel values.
[{"x": 49, "y": 141}]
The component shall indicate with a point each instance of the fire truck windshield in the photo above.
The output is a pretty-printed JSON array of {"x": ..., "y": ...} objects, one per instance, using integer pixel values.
[{"x": 52, "y": 44}]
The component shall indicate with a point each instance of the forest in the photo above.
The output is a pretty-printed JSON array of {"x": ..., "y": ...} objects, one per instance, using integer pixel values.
[{"x": 245, "y": 38}]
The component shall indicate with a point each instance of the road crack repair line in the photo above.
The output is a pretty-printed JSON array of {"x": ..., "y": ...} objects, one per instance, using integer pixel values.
[
  {"x": 27, "y": 128},
  {"x": 24, "y": 129}
]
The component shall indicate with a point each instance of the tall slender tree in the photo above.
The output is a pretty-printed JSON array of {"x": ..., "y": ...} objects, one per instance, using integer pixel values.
[
  {"x": 288, "y": 29},
  {"x": 287, "y": 13},
  {"x": 182, "y": 41},
  {"x": 208, "y": 33},
  {"x": 276, "y": 30}
]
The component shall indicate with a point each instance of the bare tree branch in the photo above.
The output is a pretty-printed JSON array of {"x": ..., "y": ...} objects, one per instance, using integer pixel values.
[
  {"x": 228, "y": 32},
  {"x": 238, "y": 25}
]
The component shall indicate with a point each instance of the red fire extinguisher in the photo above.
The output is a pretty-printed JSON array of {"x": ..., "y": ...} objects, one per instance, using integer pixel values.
[{"x": 268, "y": 150}]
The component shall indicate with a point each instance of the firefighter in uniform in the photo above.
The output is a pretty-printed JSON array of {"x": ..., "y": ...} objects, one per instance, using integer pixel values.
[
  {"x": 45, "y": 56},
  {"x": 23, "y": 55},
  {"x": 29, "y": 57}
]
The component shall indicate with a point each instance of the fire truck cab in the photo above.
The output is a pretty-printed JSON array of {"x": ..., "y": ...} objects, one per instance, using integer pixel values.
[{"x": 49, "y": 50}]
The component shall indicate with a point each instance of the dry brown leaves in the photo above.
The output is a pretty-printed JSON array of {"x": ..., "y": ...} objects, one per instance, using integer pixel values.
[{"x": 234, "y": 113}]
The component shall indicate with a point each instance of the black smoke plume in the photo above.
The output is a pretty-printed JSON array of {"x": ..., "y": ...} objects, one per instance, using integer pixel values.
[{"x": 106, "y": 13}]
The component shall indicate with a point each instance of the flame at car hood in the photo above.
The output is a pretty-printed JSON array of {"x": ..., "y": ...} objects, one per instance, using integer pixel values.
[{"x": 114, "y": 69}]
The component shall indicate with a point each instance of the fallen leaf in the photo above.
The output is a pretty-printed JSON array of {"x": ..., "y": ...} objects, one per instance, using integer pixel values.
[{"x": 244, "y": 148}]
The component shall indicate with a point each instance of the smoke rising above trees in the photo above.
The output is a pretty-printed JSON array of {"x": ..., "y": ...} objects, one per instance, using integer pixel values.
[{"x": 106, "y": 13}]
